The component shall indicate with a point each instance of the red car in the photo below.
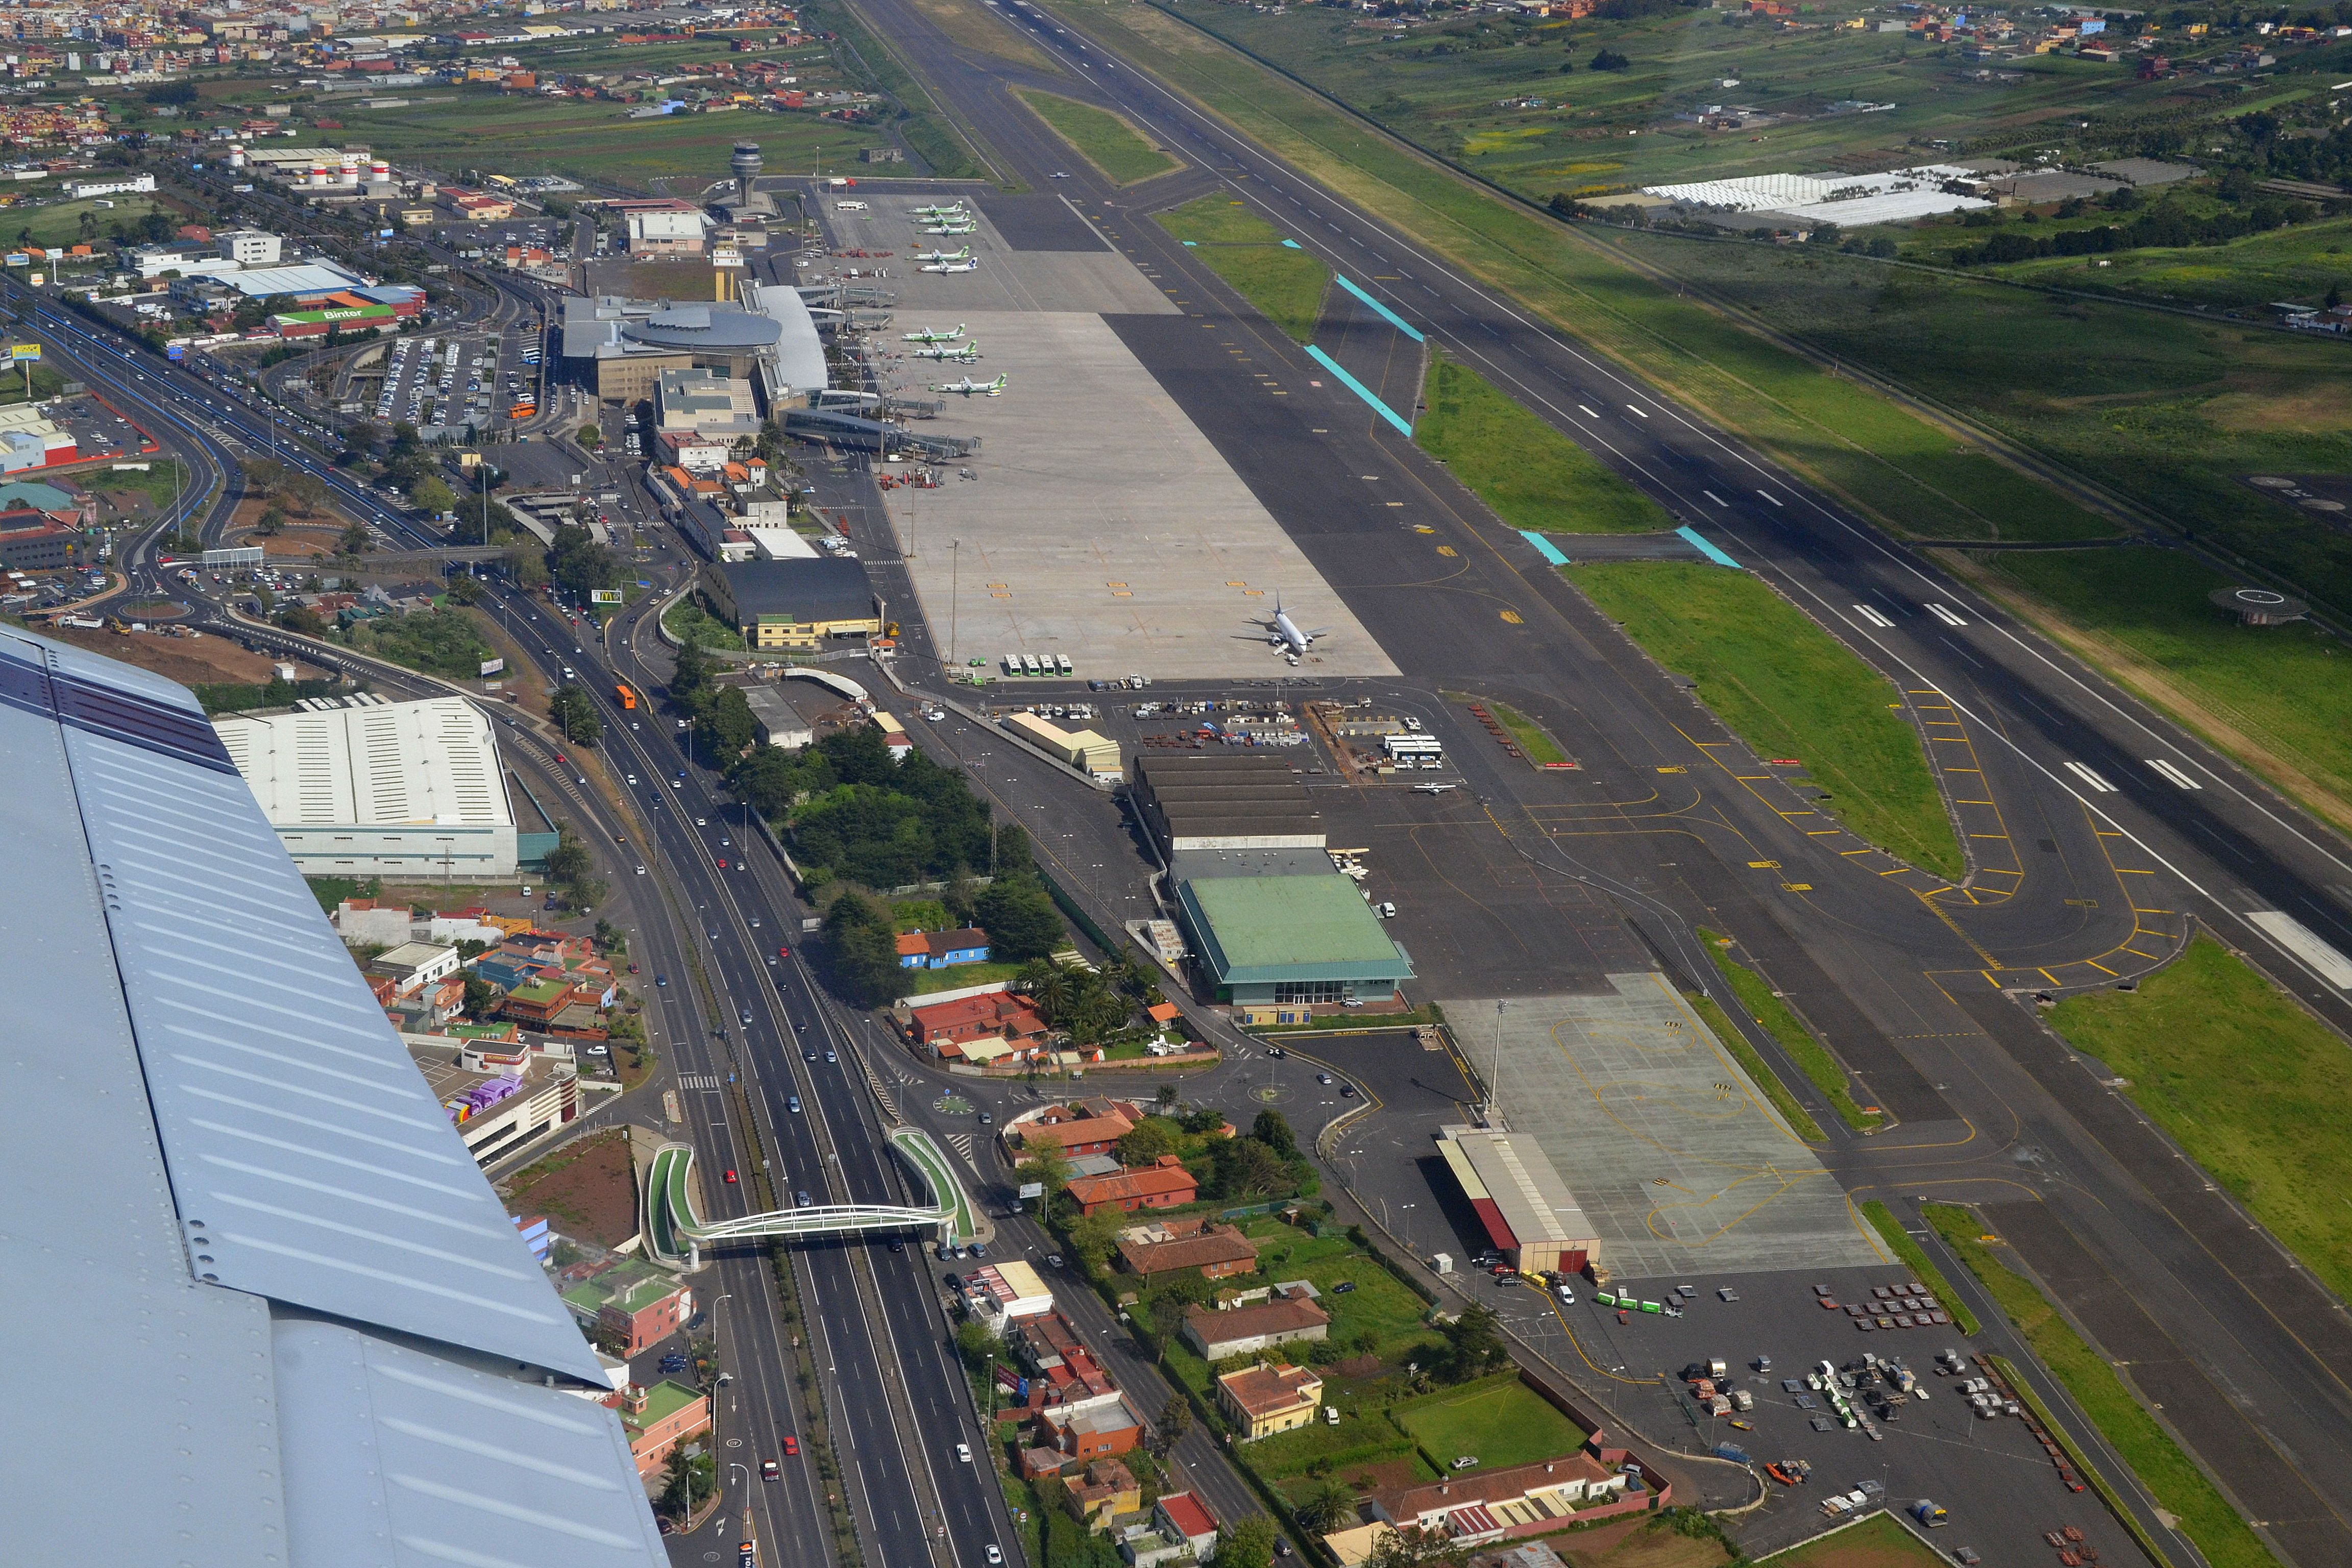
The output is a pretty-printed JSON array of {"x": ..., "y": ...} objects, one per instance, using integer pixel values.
[
  {"x": 730, "y": 1178},
  {"x": 791, "y": 1447},
  {"x": 722, "y": 862},
  {"x": 783, "y": 952}
]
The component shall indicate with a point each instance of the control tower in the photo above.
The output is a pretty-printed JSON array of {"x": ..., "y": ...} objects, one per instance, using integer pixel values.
[{"x": 746, "y": 165}]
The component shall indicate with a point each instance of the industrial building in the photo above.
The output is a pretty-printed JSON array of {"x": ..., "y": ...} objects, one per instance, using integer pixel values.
[
  {"x": 372, "y": 788},
  {"x": 704, "y": 402},
  {"x": 1225, "y": 800},
  {"x": 793, "y": 605},
  {"x": 1527, "y": 1212},
  {"x": 1088, "y": 750}
]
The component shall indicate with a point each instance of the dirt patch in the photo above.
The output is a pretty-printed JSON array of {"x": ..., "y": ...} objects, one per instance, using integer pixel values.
[
  {"x": 1387, "y": 1475},
  {"x": 1638, "y": 1543},
  {"x": 587, "y": 1189},
  {"x": 192, "y": 660}
]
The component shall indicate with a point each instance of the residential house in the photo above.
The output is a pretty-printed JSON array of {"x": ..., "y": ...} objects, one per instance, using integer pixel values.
[
  {"x": 637, "y": 1304},
  {"x": 1001, "y": 1294},
  {"x": 659, "y": 1418},
  {"x": 1106, "y": 1489},
  {"x": 1095, "y": 1432},
  {"x": 1525, "y": 1500},
  {"x": 1087, "y": 1127},
  {"x": 414, "y": 965},
  {"x": 1218, "y": 1252},
  {"x": 977, "y": 1028},
  {"x": 941, "y": 949},
  {"x": 1183, "y": 1515},
  {"x": 1263, "y": 1400},
  {"x": 1244, "y": 1331},
  {"x": 1163, "y": 1184}
]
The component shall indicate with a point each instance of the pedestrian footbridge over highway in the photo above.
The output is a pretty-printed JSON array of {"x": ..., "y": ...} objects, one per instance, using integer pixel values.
[{"x": 674, "y": 1234}]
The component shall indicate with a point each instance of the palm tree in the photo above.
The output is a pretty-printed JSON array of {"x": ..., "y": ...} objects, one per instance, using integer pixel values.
[
  {"x": 1048, "y": 984},
  {"x": 1326, "y": 1506}
]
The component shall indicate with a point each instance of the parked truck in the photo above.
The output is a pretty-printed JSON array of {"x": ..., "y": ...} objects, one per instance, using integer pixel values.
[{"x": 1930, "y": 1512}]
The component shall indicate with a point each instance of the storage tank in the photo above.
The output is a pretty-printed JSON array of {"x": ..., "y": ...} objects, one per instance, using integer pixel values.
[
  {"x": 237, "y": 157},
  {"x": 379, "y": 173},
  {"x": 318, "y": 175},
  {"x": 349, "y": 174}
]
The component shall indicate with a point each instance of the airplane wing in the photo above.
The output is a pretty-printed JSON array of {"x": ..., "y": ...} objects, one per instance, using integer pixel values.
[{"x": 299, "y": 1327}]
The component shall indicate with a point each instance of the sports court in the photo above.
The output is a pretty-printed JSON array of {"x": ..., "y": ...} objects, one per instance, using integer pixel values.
[{"x": 1681, "y": 1163}]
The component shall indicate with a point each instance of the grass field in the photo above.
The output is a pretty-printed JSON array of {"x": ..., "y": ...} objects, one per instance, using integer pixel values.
[
  {"x": 1788, "y": 689},
  {"x": 1888, "y": 463},
  {"x": 1534, "y": 476},
  {"x": 1751, "y": 1061},
  {"x": 2231, "y": 1070},
  {"x": 1105, "y": 140},
  {"x": 2164, "y": 408},
  {"x": 1531, "y": 736},
  {"x": 2171, "y": 1476},
  {"x": 1878, "y": 1541},
  {"x": 1781, "y": 1022},
  {"x": 1380, "y": 1305},
  {"x": 928, "y": 131},
  {"x": 687, "y": 617},
  {"x": 2278, "y": 699},
  {"x": 525, "y": 135},
  {"x": 981, "y": 30},
  {"x": 1923, "y": 1268},
  {"x": 1501, "y": 1421},
  {"x": 60, "y": 225},
  {"x": 1287, "y": 286}
]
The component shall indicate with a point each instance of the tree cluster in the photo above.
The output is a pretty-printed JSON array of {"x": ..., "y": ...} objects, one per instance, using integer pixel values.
[
  {"x": 2167, "y": 225},
  {"x": 577, "y": 563}
]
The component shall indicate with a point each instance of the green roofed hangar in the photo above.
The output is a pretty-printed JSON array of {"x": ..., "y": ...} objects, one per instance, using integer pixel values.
[{"x": 1281, "y": 934}]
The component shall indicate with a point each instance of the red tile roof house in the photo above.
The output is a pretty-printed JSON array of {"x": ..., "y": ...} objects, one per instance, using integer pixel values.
[
  {"x": 1075, "y": 1131},
  {"x": 1163, "y": 1184},
  {"x": 1243, "y": 1331},
  {"x": 946, "y": 1027},
  {"x": 1217, "y": 1253}
]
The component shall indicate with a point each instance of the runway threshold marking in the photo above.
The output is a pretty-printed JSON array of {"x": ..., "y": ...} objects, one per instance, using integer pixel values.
[
  {"x": 2304, "y": 943},
  {"x": 1873, "y": 617},
  {"x": 2090, "y": 778},
  {"x": 2173, "y": 775},
  {"x": 1946, "y": 616}
]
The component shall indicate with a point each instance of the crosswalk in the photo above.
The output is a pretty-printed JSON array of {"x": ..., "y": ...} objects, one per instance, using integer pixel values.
[{"x": 699, "y": 1081}]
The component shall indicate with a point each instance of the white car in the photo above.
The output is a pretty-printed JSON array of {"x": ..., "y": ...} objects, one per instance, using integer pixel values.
[
  {"x": 963, "y": 1452},
  {"x": 995, "y": 1557}
]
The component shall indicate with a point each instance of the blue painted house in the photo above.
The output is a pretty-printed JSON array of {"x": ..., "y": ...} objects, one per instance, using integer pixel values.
[{"x": 941, "y": 949}]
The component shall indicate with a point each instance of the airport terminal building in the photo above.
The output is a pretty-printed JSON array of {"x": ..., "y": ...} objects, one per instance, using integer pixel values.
[{"x": 365, "y": 787}]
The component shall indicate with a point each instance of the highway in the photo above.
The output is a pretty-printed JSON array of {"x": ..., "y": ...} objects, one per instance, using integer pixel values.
[{"x": 2099, "y": 827}]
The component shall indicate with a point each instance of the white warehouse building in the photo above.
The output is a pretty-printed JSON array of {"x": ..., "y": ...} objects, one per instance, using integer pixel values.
[{"x": 372, "y": 788}]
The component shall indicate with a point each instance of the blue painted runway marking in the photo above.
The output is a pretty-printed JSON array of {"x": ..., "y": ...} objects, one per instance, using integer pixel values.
[
  {"x": 1393, "y": 319},
  {"x": 1690, "y": 536},
  {"x": 1544, "y": 547},
  {"x": 1359, "y": 388}
]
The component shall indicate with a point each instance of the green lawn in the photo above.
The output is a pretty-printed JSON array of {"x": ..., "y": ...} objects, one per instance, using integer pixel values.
[
  {"x": 1889, "y": 463},
  {"x": 1285, "y": 285},
  {"x": 1923, "y": 1268},
  {"x": 923, "y": 982},
  {"x": 1878, "y": 1541},
  {"x": 1105, "y": 140},
  {"x": 1782, "y": 1022},
  {"x": 1534, "y": 476},
  {"x": 1531, "y": 736},
  {"x": 1760, "y": 1073},
  {"x": 1380, "y": 1305},
  {"x": 2237, "y": 1074},
  {"x": 2171, "y": 1476},
  {"x": 1500, "y": 1420},
  {"x": 688, "y": 617},
  {"x": 1788, "y": 689},
  {"x": 2278, "y": 699}
]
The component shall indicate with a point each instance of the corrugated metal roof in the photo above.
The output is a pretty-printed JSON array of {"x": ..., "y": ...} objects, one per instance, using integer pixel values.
[
  {"x": 217, "y": 1141},
  {"x": 391, "y": 763}
]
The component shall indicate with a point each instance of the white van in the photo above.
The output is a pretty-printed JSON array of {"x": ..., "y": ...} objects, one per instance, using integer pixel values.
[{"x": 849, "y": 206}]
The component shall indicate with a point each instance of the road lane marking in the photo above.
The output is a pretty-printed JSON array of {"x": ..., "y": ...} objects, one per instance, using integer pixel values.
[
  {"x": 2173, "y": 775},
  {"x": 1643, "y": 412},
  {"x": 2088, "y": 777},
  {"x": 1715, "y": 497},
  {"x": 1946, "y": 616},
  {"x": 1767, "y": 495},
  {"x": 1873, "y": 617},
  {"x": 1587, "y": 412},
  {"x": 2305, "y": 945}
]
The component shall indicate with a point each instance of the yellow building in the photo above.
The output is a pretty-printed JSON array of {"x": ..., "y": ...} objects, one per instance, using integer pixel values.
[{"x": 1262, "y": 1400}]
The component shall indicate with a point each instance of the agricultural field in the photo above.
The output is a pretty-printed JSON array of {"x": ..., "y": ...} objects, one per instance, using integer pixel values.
[
  {"x": 520, "y": 134},
  {"x": 1789, "y": 690},
  {"x": 1519, "y": 102},
  {"x": 1287, "y": 286}
]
